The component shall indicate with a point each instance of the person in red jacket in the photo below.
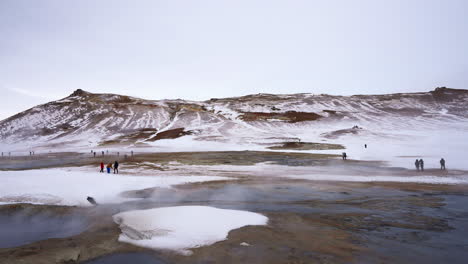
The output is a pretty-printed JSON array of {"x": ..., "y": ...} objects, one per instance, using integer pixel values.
[{"x": 102, "y": 167}]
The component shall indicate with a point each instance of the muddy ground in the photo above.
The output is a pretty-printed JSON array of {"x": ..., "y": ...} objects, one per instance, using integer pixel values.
[{"x": 309, "y": 222}]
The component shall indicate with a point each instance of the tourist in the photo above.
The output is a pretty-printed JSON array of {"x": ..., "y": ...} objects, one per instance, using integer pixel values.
[
  {"x": 442, "y": 164},
  {"x": 116, "y": 167},
  {"x": 109, "y": 167},
  {"x": 416, "y": 163}
]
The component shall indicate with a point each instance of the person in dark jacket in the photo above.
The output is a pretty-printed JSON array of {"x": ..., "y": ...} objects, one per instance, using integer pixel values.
[
  {"x": 416, "y": 163},
  {"x": 102, "y": 167},
  {"x": 344, "y": 155},
  {"x": 116, "y": 167},
  {"x": 442, "y": 164},
  {"x": 421, "y": 164}
]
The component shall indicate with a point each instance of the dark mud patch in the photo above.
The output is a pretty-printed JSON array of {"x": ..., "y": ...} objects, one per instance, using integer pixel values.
[
  {"x": 342, "y": 132},
  {"x": 126, "y": 258},
  {"x": 289, "y": 116},
  {"x": 171, "y": 134},
  {"x": 306, "y": 146},
  {"x": 237, "y": 158}
]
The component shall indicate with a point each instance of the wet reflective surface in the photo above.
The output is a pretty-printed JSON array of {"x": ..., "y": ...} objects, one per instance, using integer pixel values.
[{"x": 22, "y": 227}]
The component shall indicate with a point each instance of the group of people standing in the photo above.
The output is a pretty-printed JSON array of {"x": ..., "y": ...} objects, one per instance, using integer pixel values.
[
  {"x": 419, "y": 163},
  {"x": 109, "y": 167}
]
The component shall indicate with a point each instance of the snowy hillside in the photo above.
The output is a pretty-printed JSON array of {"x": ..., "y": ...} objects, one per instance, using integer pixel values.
[{"x": 85, "y": 120}]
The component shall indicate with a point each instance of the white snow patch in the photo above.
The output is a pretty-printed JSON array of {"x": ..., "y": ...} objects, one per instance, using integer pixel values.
[
  {"x": 183, "y": 227},
  {"x": 72, "y": 186}
]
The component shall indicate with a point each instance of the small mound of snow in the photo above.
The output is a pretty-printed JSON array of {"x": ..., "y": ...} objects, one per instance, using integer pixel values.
[{"x": 182, "y": 227}]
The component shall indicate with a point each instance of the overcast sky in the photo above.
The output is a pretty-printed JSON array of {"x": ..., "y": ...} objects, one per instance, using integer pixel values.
[{"x": 204, "y": 49}]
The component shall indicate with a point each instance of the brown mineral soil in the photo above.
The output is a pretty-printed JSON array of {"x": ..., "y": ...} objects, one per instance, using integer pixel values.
[
  {"x": 289, "y": 116},
  {"x": 306, "y": 146},
  {"x": 309, "y": 222},
  {"x": 66, "y": 159}
]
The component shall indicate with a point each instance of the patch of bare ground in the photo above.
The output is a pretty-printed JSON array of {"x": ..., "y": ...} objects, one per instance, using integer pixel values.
[
  {"x": 288, "y": 238},
  {"x": 338, "y": 133},
  {"x": 171, "y": 134},
  {"x": 289, "y": 116},
  {"x": 444, "y": 94},
  {"x": 358, "y": 222},
  {"x": 422, "y": 187},
  {"x": 132, "y": 137},
  {"x": 306, "y": 146},
  {"x": 236, "y": 158}
]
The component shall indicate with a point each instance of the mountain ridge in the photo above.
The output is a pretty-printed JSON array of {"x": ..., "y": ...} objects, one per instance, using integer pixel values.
[{"x": 86, "y": 118}]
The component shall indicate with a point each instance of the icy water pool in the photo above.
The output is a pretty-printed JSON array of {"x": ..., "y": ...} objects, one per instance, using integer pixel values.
[
  {"x": 126, "y": 258},
  {"x": 21, "y": 228}
]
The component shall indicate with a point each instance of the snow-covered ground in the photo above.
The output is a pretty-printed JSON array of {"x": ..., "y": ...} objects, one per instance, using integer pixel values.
[
  {"x": 322, "y": 173},
  {"x": 72, "y": 186},
  {"x": 400, "y": 148},
  {"x": 183, "y": 227}
]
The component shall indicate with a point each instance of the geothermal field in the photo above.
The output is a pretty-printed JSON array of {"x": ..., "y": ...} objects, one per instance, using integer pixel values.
[{"x": 255, "y": 179}]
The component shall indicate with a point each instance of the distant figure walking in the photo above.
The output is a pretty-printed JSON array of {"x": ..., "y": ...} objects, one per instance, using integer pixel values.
[
  {"x": 132, "y": 153},
  {"x": 109, "y": 167},
  {"x": 416, "y": 163},
  {"x": 365, "y": 145},
  {"x": 102, "y": 153},
  {"x": 442, "y": 164},
  {"x": 421, "y": 164},
  {"x": 94, "y": 153},
  {"x": 344, "y": 155},
  {"x": 116, "y": 167},
  {"x": 102, "y": 167}
]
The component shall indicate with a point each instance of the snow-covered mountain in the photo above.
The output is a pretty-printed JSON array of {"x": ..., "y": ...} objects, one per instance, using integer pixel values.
[{"x": 87, "y": 119}]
